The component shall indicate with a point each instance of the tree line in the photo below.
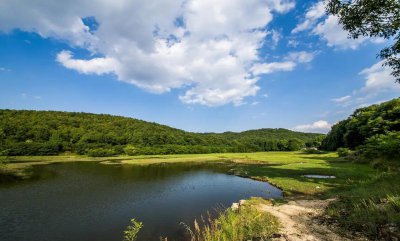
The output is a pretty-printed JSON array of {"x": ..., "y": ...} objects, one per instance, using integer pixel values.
[
  {"x": 370, "y": 133},
  {"x": 25, "y": 132}
]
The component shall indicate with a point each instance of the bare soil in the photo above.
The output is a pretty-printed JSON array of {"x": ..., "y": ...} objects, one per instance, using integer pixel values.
[{"x": 301, "y": 220}]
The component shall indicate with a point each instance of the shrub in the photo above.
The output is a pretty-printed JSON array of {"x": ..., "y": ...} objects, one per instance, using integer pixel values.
[
  {"x": 100, "y": 152},
  {"x": 131, "y": 232},
  {"x": 343, "y": 152},
  {"x": 385, "y": 146},
  {"x": 312, "y": 151},
  {"x": 247, "y": 223},
  {"x": 32, "y": 148}
]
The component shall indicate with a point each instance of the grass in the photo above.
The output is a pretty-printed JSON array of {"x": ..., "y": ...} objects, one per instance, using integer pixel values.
[
  {"x": 246, "y": 223},
  {"x": 371, "y": 207}
]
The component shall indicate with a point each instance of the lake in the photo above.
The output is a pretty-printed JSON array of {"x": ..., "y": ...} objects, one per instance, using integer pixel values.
[{"x": 84, "y": 201}]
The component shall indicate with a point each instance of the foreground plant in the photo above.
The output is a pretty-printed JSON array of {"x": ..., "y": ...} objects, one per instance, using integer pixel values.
[
  {"x": 371, "y": 208},
  {"x": 131, "y": 232},
  {"x": 247, "y": 223}
]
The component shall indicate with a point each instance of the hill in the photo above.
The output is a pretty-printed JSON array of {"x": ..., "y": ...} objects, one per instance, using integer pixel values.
[{"x": 26, "y": 132}]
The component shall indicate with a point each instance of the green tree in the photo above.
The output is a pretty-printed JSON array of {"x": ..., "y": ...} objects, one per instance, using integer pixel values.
[
  {"x": 373, "y": 18},
  {"x": 130, "y": 150},
  {"x": 363, "y": 124},
  {"x": 294, "y": 145}
]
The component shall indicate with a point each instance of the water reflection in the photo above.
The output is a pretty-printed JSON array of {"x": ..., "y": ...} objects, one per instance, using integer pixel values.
[{"x": 90, "y": 201}]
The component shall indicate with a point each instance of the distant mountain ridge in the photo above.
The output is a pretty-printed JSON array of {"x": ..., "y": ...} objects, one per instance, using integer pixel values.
[{"x": 29, "y": 132}]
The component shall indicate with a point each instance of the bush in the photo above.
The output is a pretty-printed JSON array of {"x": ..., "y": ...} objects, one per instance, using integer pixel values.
[
  {"x": 383, "y": 146},
  {"x": 312, "y": 151},
  {"x": 32, "y": 148},
  {"x": 100, "y": 152},
  {"x": 343, "y": 152},
  {"x": 246, "y": 223}
]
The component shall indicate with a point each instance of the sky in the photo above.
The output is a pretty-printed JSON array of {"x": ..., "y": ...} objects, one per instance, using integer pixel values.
[{"x": 196, "y": 65}]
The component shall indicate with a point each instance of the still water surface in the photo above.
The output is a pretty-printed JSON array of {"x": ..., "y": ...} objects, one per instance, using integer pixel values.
[{"x": 90, "y": 201}]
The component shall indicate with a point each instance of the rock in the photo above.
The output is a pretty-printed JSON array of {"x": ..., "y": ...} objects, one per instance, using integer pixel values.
[
  {"x": 241, "y": 202},
  {"x": 235, "y": 206}
]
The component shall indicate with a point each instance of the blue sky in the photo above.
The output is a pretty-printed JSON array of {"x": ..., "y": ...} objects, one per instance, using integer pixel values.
[{"x": 204, "y": 66}]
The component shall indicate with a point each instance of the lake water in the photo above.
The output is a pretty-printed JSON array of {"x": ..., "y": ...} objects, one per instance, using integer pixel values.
[{"x": 90, "y": 201}]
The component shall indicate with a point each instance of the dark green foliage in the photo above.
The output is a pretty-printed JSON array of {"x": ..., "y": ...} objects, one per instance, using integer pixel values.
[
  {"x": 100, "y": 152},
  {"x": 384, "y": 147},
  {"x": 50, "y": 133},
  {"x": 365, "y": 123},
  {"x": 343, "y": 152},
  {"x": 294, "y": 145},
  {"x": 372, "y": 18}
]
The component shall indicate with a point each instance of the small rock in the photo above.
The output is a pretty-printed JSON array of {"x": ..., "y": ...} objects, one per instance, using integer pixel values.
[
  {"x": 235, "y": 206},
  {"x": 241, "y": 202}
]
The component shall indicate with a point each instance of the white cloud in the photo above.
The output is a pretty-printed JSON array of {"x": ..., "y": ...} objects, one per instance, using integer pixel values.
[
  {"x": 93, "y": 66},
  {"x": 321, "y": 126},
  {"x": 291, "y": 62},
  {"x": 379, "y": 78},
  {"x": 332, "y": 32},
  {"x": 328, "y": 28},
  {"x": 255, "y": 103},
  {"x": 293, "y": 43},
  {"x": 301, "y": 56},
  {"x": 205, "y": 47},
  {"x": 282, "y": 6},
  {"x": 342, "y": 99},
  {"x": 268, "y": 68},
  {"x": 275, "y": 37},
  {"x": 378, "y": 84},
  {"x": 314, "y": 13}
]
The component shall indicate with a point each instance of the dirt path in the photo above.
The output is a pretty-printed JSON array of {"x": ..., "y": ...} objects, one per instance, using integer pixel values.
[{"x": 299, "y": 221}]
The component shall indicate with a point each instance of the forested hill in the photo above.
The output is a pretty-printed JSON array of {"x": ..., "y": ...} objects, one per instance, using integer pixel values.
[
  {"x": 25, "y": 132},
  {"x": 370, "y": 133}
]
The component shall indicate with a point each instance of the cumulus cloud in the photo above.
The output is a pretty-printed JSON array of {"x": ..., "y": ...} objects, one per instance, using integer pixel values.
[
  {"x": 320, "y": 126},
  {"x": 332, "y": 32},
  {"x": 205, "y": 47},
  {"x": 93, "y": 66},
  {"x": 328, "y": 28},
  {"x": 379, "y": 78}
]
